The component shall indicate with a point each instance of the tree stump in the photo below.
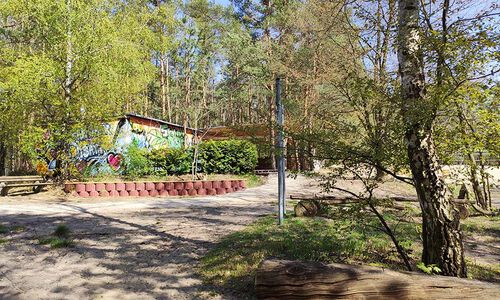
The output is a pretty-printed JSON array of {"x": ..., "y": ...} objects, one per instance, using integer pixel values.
[
  {"x": 281, "y": 279},
  {"x": 464, "y": 193},
  {"x": 307, "y": 208}
]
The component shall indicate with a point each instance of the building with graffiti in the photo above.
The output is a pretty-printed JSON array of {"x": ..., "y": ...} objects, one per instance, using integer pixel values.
[{"x": 105, "y": 152}]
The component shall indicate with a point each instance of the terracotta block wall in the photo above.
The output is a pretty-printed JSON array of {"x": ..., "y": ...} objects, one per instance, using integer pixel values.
[{"x": 153, "y": 189}]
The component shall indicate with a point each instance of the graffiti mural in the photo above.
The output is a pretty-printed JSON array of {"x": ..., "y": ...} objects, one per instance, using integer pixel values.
[
  {"x": 105, "y": 152},
  {"x": 148, "y": 137},
  {"x": 93, "y": 153}
]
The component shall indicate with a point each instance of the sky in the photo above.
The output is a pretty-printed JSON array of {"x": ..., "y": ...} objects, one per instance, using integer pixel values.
[{"x": 223, "y": 2}]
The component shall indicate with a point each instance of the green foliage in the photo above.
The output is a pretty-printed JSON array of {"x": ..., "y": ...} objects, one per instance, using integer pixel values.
[
  {"x": 215, "y": 157},
  {"x": 429, "y": 269},
  {"x": 62, "y": 231},
  {"x": 3, "y": 229},
  {"x": 228, "y": 157},
  {"x": 67, "y": 65},
  {"x": 172, "y": 161},
  {"x": 137, "y": 163}
]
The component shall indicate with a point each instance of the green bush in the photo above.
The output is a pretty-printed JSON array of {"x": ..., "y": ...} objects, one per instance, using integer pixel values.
[
  {"x": 228, "y": 157},
  {"x": 215, "y": 157},
  {"x": 137, "y": 163},
  {"x": 62, "y": 231},
  {"x": 171, "y": 161}
]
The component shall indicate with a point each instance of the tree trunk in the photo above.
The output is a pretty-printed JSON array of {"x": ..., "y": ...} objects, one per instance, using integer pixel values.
[
  {"x": 272, "y": 134},
  {"x": 187, "y": 103},
  {"x": 280, "y": 279},
  {"x": 479, "y": 194},
  {"x": 167, "y": 90},
  {"x": 380, "y": 175},
  {"x": 163, "y": 92},
  {"x": 3, "y": 152},
  {"x": 177, "y": 91},
  {"x": 442, "y": 238},
  {"x": 69, "y": 56}
]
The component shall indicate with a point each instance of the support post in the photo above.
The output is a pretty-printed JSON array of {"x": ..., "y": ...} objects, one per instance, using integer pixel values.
[{"x": 280, "y": 152}]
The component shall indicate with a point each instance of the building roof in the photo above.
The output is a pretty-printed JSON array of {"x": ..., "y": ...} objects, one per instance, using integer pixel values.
[
  {"x": 258, "y": 131},
  {"x": 157, "y": 122}
]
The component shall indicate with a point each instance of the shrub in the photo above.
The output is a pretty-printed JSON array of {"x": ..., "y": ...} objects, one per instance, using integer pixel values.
[
  {"x": 137, "y": 163},
  {"x": 61, "y": 231},
  {"x": 215, "y": 157},
  {"x": 228, "y": 157},
  {"x": 171, "y": 161}
]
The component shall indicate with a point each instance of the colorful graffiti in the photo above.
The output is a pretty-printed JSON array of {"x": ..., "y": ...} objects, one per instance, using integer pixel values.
[
  {"x": 114, "y": 160},
  {"x": 93, "y": 153},
  {"x": 149, "y": 137}
]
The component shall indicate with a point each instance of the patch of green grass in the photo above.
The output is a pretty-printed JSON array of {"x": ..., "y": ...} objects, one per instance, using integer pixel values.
[
  {"x": 3, "y": 229},
  {"x": 488, "y": 227},
  {"x": 18, "y": 228},
  {"x": 252, "y": 180},
  {"x": 3, "y": 241},
  {"x": 60, "y": 238},
  {"x": 482, "y": 272},
  {"x": 56, "y": 242},
  {"x": 232, "y": 263}
]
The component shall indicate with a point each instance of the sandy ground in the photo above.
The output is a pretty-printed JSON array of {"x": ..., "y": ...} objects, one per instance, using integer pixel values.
[
  {"x": 137, "y": 248},
  {"x": 142, "y": 248}
]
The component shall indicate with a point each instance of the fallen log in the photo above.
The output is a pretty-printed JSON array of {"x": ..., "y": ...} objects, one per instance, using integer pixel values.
[
  {"x": 484, "y": 212},
  {"x": 281, "y": 279},
  {"x": 311, "y": 208},
  {"x": 307, "y": 208},
  {"x": 350, "y": 199}
]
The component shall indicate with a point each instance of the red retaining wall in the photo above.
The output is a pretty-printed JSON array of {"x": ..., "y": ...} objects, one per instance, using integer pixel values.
[{"x": 152, "y": 189}]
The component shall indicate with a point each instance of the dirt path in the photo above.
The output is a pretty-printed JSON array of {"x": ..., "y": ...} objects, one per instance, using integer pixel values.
[
  {"x": 137, "y": 248},
  {"x": 132, "y": 249}
]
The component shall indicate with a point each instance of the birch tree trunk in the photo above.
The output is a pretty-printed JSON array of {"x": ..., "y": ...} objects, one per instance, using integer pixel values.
[{"x": 442, "y": 238}]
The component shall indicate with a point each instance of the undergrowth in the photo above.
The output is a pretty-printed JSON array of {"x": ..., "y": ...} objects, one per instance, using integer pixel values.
[{"x": 233, "y": 262}]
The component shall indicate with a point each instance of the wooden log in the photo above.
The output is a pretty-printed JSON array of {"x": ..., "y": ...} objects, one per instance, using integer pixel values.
[
  {"x": 307, "y": 208},
  {"x": 281, "y": 279},
  {"x": 353, "y": 199}
]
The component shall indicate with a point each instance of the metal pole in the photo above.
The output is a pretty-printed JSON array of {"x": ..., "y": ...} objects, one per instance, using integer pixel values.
[{"x": 280, "y": 152}]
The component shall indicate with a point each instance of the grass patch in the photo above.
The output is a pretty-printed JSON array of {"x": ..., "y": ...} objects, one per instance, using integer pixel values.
[
  {"x": 252, "y": 180},
  {"x": 489, "y": 273},
  {"x": 483, "y": 225},
  {"x": 56, "y": 242},
  {"x": 3, "y": 229},
  {"x": 233, "y": 262},
  {"x": 3, "y": 241},
  {"x": 60, "y": 238}
]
